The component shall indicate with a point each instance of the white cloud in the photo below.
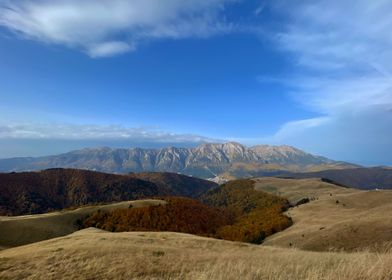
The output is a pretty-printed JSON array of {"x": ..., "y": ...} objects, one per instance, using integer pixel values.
[
  {"x": 299, "y": 127},
  {"x": 343, "y": 51},
  {"x": 109, "y": 27},
  {"x": 109, "y": 49},
  {"x": 91, "y": 132}
]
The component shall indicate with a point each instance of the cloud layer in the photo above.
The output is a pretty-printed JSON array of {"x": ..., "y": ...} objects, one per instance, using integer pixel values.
[
  {"x": 91, "y": 132},
  {"x": 34, "y": 139},
  {"x": 108, "y": 27}
]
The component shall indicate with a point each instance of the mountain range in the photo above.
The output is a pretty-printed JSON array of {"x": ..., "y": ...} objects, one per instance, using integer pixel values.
[{"x": 204, "y": 161}]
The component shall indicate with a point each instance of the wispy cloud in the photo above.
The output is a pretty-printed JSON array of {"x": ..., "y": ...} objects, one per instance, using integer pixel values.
[
  {"x": 259, "y": 10},
  {"x": 110, "y": 48},
  {"x": 97, "y": 132},
  {"x": 108, "y": 27},
  {"x": 339, "y": 34},
  {"x": 343, "y": 51}
]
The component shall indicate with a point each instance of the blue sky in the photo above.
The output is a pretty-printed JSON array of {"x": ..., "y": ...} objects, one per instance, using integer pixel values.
[{"x": 314, "y": 74}]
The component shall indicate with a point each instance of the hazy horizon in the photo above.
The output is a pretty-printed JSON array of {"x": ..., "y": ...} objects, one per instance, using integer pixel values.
[{"x": 314, "y": 75}]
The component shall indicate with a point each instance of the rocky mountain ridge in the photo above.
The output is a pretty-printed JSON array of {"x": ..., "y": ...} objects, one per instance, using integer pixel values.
[{"x": 206, "y": 160}]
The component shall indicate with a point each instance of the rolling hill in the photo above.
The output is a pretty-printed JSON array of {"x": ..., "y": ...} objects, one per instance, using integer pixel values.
[
  {"x": 340, "y": 233},
  {"x": 336, "y": 218},
  {"x": 297, "y": 189},
  {"x": 96, "y": 254},
  {"x": 55, "y": 189}
]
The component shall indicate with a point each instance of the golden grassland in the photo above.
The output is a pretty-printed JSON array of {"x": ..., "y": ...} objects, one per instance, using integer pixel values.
[
  {"x": 295, "y": 189},
  {"x": 96, "y": 254}
]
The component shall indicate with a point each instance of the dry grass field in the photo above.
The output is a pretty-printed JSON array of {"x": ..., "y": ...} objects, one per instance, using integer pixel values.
[
  {"x": 20, "y": 230},
  {"x": 296, "y": 189},
  {"x": 339, "y": 219},
  {"x": 95, "y": 254}
]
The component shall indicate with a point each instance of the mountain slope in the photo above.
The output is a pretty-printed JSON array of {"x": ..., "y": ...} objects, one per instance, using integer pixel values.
[
  {"x": 53, "y": 189},
  {"x": 287, "y": 155},
  {"x": 205, "y": 161}
]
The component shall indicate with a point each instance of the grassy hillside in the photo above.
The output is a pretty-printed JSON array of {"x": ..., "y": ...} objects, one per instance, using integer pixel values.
[
  {"x": 345, "y": 222},
  {"x": 338, "y": 219},
  {"x": 55, "y": 189},
  {"x": 257, "y": 214},
  {"x": 297, "y": 189},
  {"x": 95, "y": 254},
  {"x": 20, "y": 230}
]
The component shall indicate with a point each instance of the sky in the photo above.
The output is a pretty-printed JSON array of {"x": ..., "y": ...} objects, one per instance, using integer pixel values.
[{"x": 151, "y": 73}]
